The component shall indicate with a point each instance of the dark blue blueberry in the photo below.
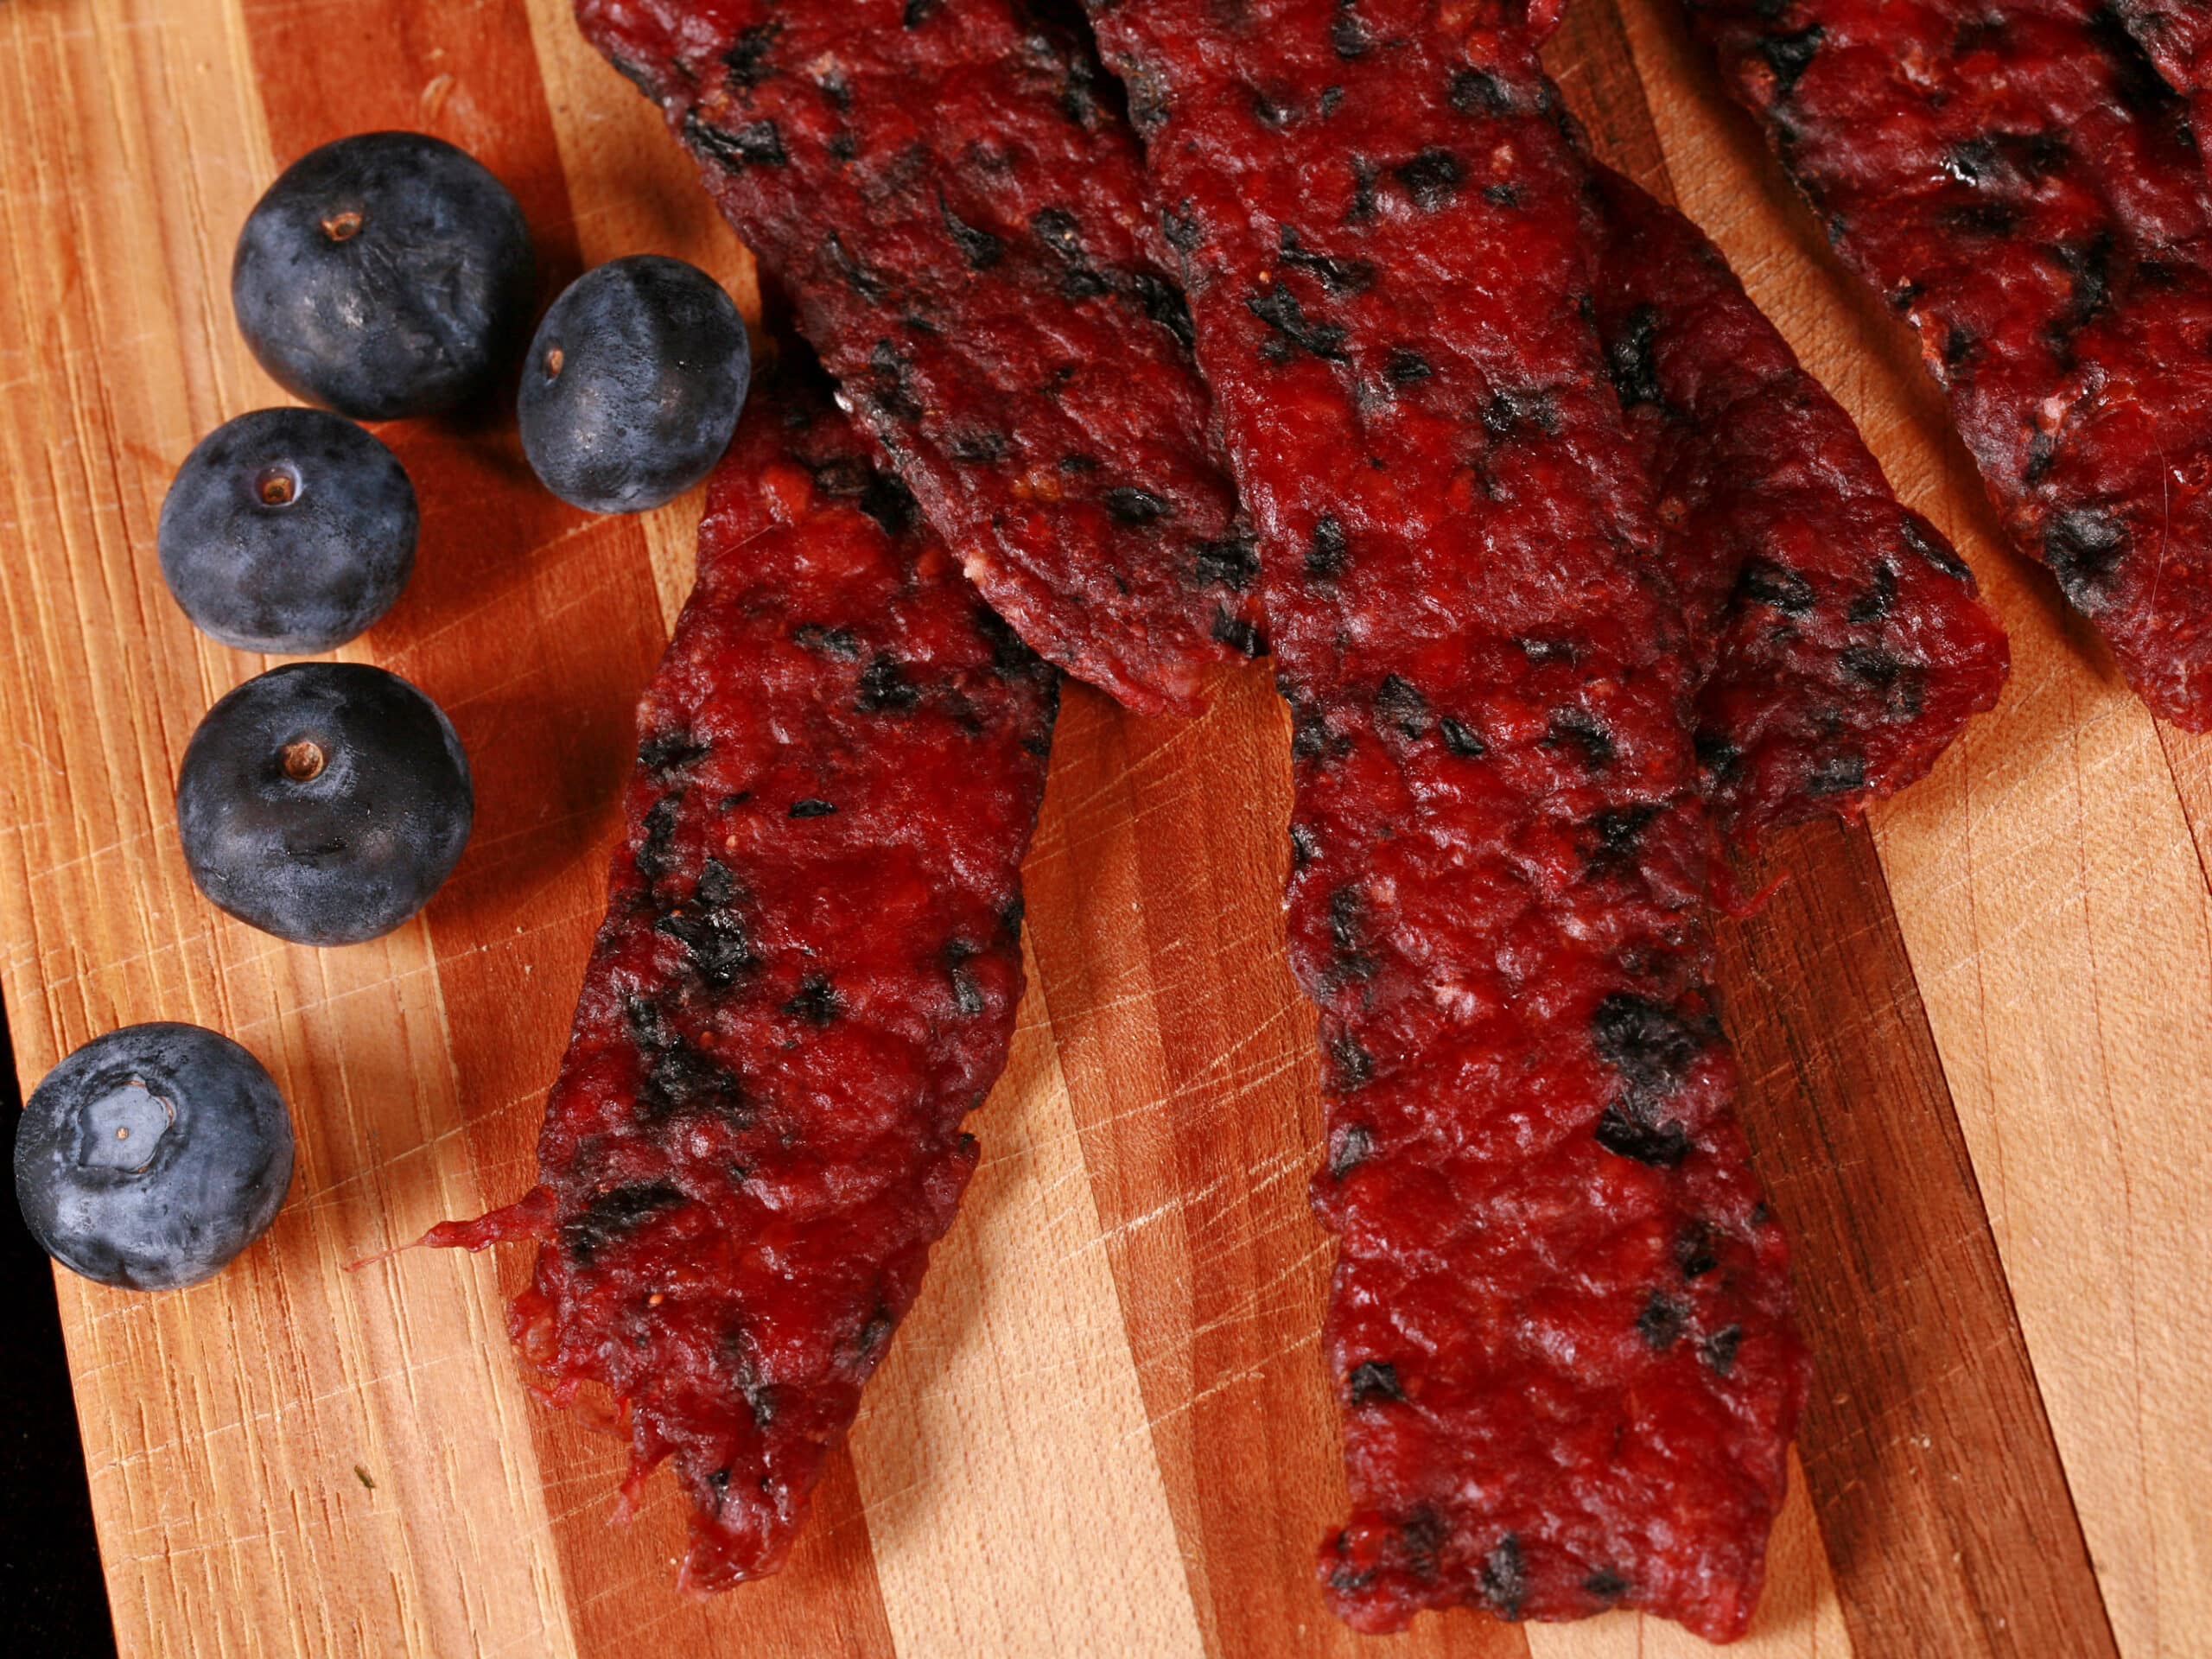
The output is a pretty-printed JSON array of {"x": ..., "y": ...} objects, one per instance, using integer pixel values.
[
  {"x": 150, "y": 1157},
  {"x": 633, "y": 385},
  {"x": 288, "y": 530},
  {"x": 323, "y": 802},
  {"x": 384, "y": 276}
]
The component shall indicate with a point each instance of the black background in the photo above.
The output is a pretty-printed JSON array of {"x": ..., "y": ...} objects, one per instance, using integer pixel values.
[{"x": 52, "y": 1598}]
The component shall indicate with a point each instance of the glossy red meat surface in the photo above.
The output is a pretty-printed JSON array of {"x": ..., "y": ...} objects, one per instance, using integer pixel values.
[
  {"x": 806, "y": 981},
  {"x": 1841, "y": 645},
  {"x": 1561, "y": 1324},
  {"x": 2020, "y": 185},
  {"x": 958, "y": 221}
]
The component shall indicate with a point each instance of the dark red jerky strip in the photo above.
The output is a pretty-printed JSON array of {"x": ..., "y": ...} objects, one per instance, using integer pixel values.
[
  {"x": 1842, "y": 644},
  {"x": 2177, "y": 35},
  {"x": 1561, "y": 1324},
  {"x": 806, "y": 979},
  {"x": 959, "y": 223},
  {"x": 2023, "y": 187}
]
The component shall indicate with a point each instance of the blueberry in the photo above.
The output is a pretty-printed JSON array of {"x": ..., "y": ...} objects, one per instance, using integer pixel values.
[
  {"x": 288, "y": 530},
  {"x": 150, "y": 1157},
  {"x": 323, "y": 802},
  {"x": 633, "y": 385},
  {"x": 382, "y": 276}
]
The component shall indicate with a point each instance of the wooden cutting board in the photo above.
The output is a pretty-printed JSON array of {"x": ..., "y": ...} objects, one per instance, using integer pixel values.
[{"x": 1977, "y": 1035}]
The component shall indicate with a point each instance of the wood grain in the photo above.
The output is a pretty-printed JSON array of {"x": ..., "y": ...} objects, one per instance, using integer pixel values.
[{"x": 1976, "y": 1036}]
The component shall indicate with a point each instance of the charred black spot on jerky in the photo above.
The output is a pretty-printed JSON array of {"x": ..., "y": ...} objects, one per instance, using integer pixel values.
[
  {"x": 1539, "y": 651},
  {"x": 1461, "y": 739},
  {"x": 1404, "y": 365},
  {"x": 1271, "y": 110},
  {"x": 1661, "y": 1146},
  {"x": 651, "y": 856},
  {"x": 1079, "y": 92},
  {"x": 1503, "y": 1578},
  {"x": 1502, "y": 195},
  {"x": 1932, "y": 550},
  {"x": 1479, "y": 91},
  {"x": 1327, "y": 552},
  {"x": 1163, "y": 302},
  {"x": 613, "y": 1216},
  {"x": 1278, "y": 308},
  {"x": 841, "y": 146},
  {"x": 2083, "y": 549},
  {"x": 718, "y": 1484},
  {"x": 1904, "y": 296},
  {"x": 665, "y": 753},
  {"x": 1992, "y": 219},
  {"x": 981, "y": 248},
  {"x": 1058, "y": 229},
  {"x": 1513, "y": 408},
  {"x": 2042, "y": 453},
  {"x": 2089, "y": 269},
  {"x": 757, "y": 144},
  {"x": 838, "y": 90},
  {"x": 885, "y": 500},
  {"x": 1352, "y": 1065},
  {"x": 1880, "y": 594},
  {"x": 1578, "y": 728},
  {"x": 979, "y": 446},
  {"x": 638, "y": 77},
  {"x": 1338, "y": 276},
  {"x": 1839, "y": 774},
  {"x": 827, "y": 642},
  {"x": 1663, "y": 1321},
  {"x": 873, "y": 1336},
  {"x": 967, "y": 991},
  {"x": 1240, "y": 635},
  {"x": 1134, "y": 507},
  {"x": 1331, "y": 100},
  {"x": 1693, "y": 1251},
  {"x": 883, "y": 686},
  {"x": 1871, "y": 665},
  {"x": 748, "y": 60},
  {"x": 1432, "y": 178},
  {"x": 1720, "y": 1349},
  {"x": 1961, "y": 345},
  {"x": 1363, "y": 177},
  {"x": 1348, "y": 35},
  {"x": 1629, "y": 360},
  {"x": 1181, "y": 228},
  {"x": 1790, "y": 56},
  {"x": 1074, "y": 464},
  {"x": 919, "y": 12},
  {"x": 1010, "y": 916},
  {"x": 2136, "y": 81},
  {"x": 711, "y": 932},
  {"x": 1605, "y": 1585},
  {"x": 815, "y": 1001},
  {"x": 1350, "y": 1148},
  {"x": 887, "y": 370},
  {"x": 1716, "y": 752},
  {"x": 1371, "y": 1381},
  {"x": 811, "y": 808},
  {"x": 1651, "y": 1046},
  {"x": 1348, "y": 935},
  {"x": 1762, "y": 581},
  {"x": 1614, "y": 833},
  {"x": 1398, "y": 703},
  {"x": 1230, "y": 561}
]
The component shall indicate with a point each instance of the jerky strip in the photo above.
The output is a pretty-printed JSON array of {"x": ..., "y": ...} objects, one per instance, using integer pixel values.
[
  {"x": 1560, "y": 1323},
  {"x": 806, "y": 979},
  {"x": 1842, "y": 646},
  {"x": 958, "y": 219},
  {"x": 2023, "y": 187},
  {"x": 2177, "y": 35}
]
